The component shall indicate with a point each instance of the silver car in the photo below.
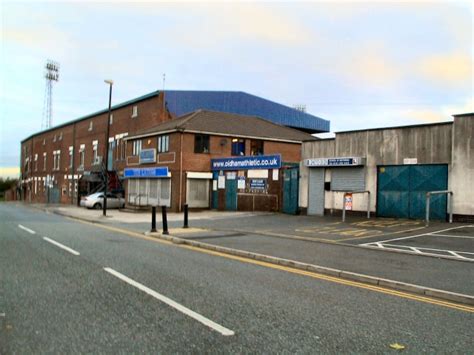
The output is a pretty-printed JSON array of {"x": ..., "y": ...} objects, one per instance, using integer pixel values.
[{"x": 96, "y": 201}]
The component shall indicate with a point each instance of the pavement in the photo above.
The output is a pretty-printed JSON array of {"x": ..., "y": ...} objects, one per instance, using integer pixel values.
[
  {"x": 73, "y": 286},
  {"x": 321, "y": 241}
]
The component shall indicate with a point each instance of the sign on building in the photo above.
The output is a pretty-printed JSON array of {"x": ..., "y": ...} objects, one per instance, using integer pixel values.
[
  {"x": 341, "y": 161},
  {"x": 247, "y": 162},
  {"x": 148, "y": 156},
  {"x": 146, "y": 172}
]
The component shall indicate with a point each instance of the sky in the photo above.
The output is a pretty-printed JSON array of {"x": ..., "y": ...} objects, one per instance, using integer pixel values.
[{"x": 358, "y": 64}]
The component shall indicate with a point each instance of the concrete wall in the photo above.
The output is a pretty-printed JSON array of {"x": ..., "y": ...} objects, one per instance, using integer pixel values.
[
  {"x": 429, "y": 144},
  {"x": 462, "y": 170}
]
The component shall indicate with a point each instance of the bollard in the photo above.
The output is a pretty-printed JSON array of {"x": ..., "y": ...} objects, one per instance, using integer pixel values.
[
  {"x": 153, "y": 219},
  {"x": 164, "y": 219},
  {"x": 185, "y": 216}
]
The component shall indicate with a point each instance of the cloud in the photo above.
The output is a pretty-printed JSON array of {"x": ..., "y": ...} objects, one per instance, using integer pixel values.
[{"x": 451, "y": 68}]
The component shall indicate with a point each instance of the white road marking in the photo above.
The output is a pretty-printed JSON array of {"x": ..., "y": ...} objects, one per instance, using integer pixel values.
[
  {"x": 26, "y": 229},
  {"x": 419, "y": 235},
  {"x": 451, "y": 236},
  {"x": 72, "y": 251},
  {"x": 224, "y": 331},
  {"x": 457, "y": 255}
]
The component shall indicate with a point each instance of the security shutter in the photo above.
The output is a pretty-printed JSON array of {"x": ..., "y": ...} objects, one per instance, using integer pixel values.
[
  {"x": 348, "y": 179},
  {"x": 316, "y": 192},
  {"x": 198, "y": 193},
  {"x": 165, "y": 192}
]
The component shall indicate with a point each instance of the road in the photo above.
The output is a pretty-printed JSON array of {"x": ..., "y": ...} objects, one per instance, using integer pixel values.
[{"x": 90, "y": 289}]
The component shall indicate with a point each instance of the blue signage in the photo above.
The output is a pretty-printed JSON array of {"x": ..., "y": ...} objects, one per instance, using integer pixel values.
[
  {"x": 147, "y": 156},
  {"x": 258, "y": 184},
  {"x": 247, "y": 162},
  {"x": 145, "y": 172}
]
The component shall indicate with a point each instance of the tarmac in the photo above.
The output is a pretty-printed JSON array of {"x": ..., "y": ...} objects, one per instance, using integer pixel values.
[{"x": 321, "y": 245}]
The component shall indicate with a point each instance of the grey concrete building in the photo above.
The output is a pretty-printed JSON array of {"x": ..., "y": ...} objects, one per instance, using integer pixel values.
[{"x": 390, "y": 170}]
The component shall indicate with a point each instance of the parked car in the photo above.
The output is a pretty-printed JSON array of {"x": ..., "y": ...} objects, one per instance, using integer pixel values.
[{"x": 96, "y": 201}]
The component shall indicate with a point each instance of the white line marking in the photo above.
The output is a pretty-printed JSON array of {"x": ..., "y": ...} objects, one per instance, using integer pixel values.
[
  {"x": 431, "y": 249},
  {"x": 457, "y": 255},
  {"x": 72, "y": 251},
  {"x": 224, "y": 331},
  {"x": 423, "y": 253},
  {"x": 451, "y": 236},
  {"x": 26, "y": 229},
  {"x": 420, "y": 235},
  {"x": 415, "y": 250}
]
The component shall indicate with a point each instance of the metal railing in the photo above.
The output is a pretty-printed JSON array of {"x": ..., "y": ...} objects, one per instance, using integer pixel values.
[
  {"x": 450, "y": 204},
  {"x": 344, "y": 202}
]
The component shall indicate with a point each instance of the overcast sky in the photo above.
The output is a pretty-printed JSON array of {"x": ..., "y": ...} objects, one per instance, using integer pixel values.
[{"x": 357, "y": 64}]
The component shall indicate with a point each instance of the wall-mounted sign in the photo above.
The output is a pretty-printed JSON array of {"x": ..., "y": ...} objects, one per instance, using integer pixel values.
[
  {"x": 341, "y": 161},
  {"x": 258, "y": 184},
  {"x": 241, "y": 183},
  {"x": 146, "y": 172},
  {"x": 409, "y": 161},
  {"x": 247, "y": 162},
  {"x": 147, "y": 156}
]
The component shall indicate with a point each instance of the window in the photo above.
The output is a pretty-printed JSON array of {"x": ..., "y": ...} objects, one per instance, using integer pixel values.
[
  {"x": 111, "y": 119},
  {"x": 256, "y": 147},
  {"x": 91, "y": 126},
  {"x": 44, "y": 161},
  {"x": 134, "y": 111},
  {"x": 238, "y": 146},
  {"x": 163, "y": 144},
  {"x": 201, "y": 143},
  {"x": 56, "y": 159},
  {"x": 137, "y": 147},
  {"x": 54, "y": 138},
  {"x": 95, "y": 158},
  {"x": 44, "y": 141},
  {"x": 36, "y": 162},
  {"x": 71, "y": 156},
  {"x": 60, "y": 136},
  {"x": 82, "y": 154}
]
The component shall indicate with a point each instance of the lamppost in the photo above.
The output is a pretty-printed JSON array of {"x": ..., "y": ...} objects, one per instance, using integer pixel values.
[{"x": 104, "y": 206}]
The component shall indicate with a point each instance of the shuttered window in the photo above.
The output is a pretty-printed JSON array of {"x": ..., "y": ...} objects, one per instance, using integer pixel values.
[{"x": 348, "y": 179}]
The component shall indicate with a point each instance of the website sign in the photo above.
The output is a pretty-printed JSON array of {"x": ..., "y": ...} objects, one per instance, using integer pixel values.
[
  {"x": 135, "y": 173},
  {"x": 247, "y": 162}
]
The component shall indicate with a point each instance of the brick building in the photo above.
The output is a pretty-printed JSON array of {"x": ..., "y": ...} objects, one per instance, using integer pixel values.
[
  {"x": 57, "y": 163},
  {"x": 209, "y": 159}
]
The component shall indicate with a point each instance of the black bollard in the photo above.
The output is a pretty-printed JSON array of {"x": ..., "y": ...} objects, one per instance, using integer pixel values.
[
  {"x": 185, "y": 216},
  {"x": 164, "y": 220},
  {"x": 153, "y": 219}
]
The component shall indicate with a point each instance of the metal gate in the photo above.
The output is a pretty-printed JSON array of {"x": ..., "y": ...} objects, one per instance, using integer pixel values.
[
  {"x": 401, "y": 190},
  {"x": 290, "y": 190}
]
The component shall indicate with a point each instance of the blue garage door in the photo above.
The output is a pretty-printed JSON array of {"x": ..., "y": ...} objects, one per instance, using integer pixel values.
[{"x": 401, "y": 190}]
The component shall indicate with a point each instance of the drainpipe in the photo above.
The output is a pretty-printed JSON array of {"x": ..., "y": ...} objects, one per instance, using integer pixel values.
[
  {"x": 73, "y": 165},
  {"x": 180, "y": 170}
]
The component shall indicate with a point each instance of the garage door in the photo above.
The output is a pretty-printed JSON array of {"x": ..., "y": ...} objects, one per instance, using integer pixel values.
[
  {"x": 316, "y": 192},
  {"x": 401, "y": 190}
]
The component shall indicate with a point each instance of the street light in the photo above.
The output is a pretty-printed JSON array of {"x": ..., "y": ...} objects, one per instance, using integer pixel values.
[{"x": 104, "y": 207}]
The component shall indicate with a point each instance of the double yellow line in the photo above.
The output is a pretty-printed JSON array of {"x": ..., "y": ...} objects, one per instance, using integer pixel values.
[{"x": 406, "y": 295}]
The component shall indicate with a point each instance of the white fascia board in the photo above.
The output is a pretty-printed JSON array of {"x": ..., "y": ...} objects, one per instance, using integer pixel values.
[{"x": 197, "y": 175}]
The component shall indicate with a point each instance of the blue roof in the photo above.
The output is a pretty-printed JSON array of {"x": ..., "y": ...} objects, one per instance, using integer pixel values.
[{"x": 182, "y": 102}]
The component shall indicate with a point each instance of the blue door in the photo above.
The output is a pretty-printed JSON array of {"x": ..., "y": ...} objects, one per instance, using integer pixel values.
[
  {"x": 290, "y": 190},
  {"x": 401, "y": 191},
  {"x": 231, "y": 195}
]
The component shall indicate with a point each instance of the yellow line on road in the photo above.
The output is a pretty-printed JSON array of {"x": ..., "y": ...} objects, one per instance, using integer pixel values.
[
  {"x": 382, "y": 235},
  {"x": 314, "y": 275}
]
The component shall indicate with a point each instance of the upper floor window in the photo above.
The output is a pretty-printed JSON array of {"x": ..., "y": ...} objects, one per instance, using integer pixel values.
[
  {"x": 91, "y": 126},
  {"x": 137, "y": 147},
  {"x": 71, "y": 156},
  {"x": 95, "y": 157},
  {"x": 238, "y": 146},
  {"x": 111, "y": 119},
  {"x": 44, "y": 161},
  {"x": 82, "y": 153},
  {"x": 163, "y": 144},
  {"x": 60, "y": 136},
  {"x": 134, "y": 111},
  {"x": 36, "y": 162},
  {"x": 256, "y": 147},
  {"x": 54, "y": 138},
  {"x": 201, "y": 143},
  {"x": 56, "y": 159},
  {"x": 44, "y": 141}
]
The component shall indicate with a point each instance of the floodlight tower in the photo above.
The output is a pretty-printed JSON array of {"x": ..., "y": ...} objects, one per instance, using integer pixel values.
[{"x": 51, "y": 74}]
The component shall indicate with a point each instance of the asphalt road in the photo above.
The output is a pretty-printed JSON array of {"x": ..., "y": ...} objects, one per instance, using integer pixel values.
[{"x": 52, "y": 301}]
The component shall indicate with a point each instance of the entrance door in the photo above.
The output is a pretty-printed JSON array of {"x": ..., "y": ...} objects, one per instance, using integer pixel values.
[
  {"x": 401, "y": 191},
  {"x": 290, "y": 190},
  {"x": 316, "y": 192},
  {"x": 231, "y": 195}
]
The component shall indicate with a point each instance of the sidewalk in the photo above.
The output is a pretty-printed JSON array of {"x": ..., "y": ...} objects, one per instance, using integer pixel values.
[{"x": 243, "y": 231}]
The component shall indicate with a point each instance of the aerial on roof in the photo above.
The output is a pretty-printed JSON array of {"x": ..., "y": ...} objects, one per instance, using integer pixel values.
[{"x": 223, "y": 123}]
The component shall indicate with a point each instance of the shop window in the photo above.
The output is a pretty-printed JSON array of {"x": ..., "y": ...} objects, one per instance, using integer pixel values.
[
  {"x": 163, "y": 144},
  {"x": 201, "y": 143},
  {"x": 256, "y": 147},
  {"x": 137, "y": 147},
  {"x": 238, "y": 146}
]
